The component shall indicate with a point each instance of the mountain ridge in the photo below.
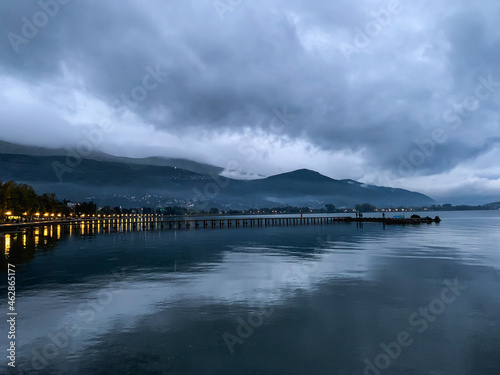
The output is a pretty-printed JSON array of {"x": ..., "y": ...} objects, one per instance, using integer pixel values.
[
  {"x": 190, "y": 165},
  {"x": 128, "y": 182}
]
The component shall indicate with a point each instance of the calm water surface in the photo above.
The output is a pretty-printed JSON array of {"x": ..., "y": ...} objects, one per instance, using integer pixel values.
[{"x": 324, "y": 299}]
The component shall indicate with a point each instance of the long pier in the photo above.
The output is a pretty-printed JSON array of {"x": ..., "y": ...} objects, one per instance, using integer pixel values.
[{"x": 157, "y": 222}]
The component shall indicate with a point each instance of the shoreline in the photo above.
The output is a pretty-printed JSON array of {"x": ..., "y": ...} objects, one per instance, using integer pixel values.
[{"x": 222, "y": 221}]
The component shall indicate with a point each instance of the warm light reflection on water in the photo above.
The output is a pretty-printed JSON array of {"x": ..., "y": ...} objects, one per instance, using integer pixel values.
[
  {"x": 37, "y": 237},
  {"x": 7, "y": 245}
]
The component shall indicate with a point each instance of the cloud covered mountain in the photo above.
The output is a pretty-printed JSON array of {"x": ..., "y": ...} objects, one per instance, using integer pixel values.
[{"x": 135, "y": 182}]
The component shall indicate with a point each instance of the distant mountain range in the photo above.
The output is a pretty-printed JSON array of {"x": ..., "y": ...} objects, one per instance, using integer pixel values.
[
  {"x": 493, "y": 206},
  {"x": 160, "y": 181},
  {"x": 10, "y": 148}
]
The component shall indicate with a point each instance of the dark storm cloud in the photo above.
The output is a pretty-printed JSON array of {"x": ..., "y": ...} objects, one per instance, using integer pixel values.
[{"x": 229, "y": 74}]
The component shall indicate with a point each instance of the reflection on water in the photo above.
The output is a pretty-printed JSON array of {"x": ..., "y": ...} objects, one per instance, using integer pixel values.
[
  {"x": 7, "y": 245},
  {"x": 324, "y": 299},
  {"x": 45, "y": 237},
  {"x": 21, "y": 247}
]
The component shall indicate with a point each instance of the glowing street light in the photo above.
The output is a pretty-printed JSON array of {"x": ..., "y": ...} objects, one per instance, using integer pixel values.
[{"x": 8, "y": 213}]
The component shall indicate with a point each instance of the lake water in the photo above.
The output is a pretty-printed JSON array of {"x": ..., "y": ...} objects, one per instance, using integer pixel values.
[{"x": 324, "y": 299}]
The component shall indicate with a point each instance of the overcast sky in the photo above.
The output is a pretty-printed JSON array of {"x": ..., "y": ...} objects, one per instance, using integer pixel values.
[{"x": 385, "y": 92}]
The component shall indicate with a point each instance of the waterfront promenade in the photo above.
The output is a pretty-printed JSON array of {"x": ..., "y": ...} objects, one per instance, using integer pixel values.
[{"x": 177, "y": 223}]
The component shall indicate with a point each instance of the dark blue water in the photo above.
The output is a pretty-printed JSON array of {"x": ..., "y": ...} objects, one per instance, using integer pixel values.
[{"x": 331, "y": 299}]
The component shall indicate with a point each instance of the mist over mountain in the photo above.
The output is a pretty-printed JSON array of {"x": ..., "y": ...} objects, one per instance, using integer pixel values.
[{"x": 159, "y": 182}]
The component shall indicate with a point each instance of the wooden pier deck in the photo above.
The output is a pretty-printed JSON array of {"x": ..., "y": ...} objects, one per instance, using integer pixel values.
[{"x": 159, "y": 222}]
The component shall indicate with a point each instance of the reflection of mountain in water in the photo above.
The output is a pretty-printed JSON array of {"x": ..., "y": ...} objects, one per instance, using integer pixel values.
[{"x": 190, "y": 251}]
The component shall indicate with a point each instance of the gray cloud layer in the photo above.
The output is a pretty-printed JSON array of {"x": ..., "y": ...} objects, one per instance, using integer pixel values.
[{"x": 229, "y": 66}]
